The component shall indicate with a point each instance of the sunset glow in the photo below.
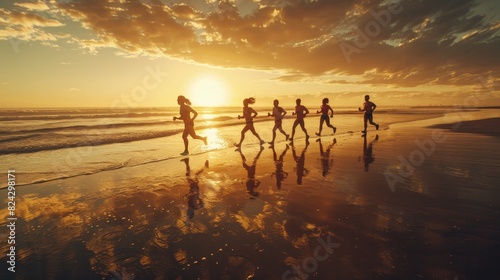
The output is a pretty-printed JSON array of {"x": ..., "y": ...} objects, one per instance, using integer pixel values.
[
  {"x": 250, "y": 139},
  {"x": 143, "y": 54},
  {"x": 208, "y": 91}
]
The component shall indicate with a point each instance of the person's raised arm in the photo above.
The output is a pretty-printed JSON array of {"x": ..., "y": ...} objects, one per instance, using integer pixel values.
[
  {"x": 373, "y": 106},
  {"x": 253, "y": 112},
  {"x": 331, "y": 110},
  {"x": 305, "y": 110},
  {"x": 195, "y": 114},
  {"x": 283, "y": 111}
]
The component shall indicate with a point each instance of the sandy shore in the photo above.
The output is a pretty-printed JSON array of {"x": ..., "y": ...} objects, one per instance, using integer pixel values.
[
  {"x": 408, "y": 202},
  {"x": 485, "y": 126}
]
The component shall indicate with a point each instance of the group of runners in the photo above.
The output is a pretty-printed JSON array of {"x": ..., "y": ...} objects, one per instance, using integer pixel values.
[{"x": 278, "y": 113}]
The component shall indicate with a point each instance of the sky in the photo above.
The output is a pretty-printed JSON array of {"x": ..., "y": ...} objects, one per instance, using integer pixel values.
[{"x": 138, "y": 53}]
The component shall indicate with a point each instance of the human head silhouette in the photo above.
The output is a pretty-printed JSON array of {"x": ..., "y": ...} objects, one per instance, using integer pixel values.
[
  {"x": 183, "y": 100},
  {"x": 248, "y": 101}
]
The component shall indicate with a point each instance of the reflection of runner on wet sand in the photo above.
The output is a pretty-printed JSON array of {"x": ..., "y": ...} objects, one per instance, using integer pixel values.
[
  {"x": 280, "y": 174},
  {"x": 368, "y": 152},
  {"x": 194, "y": 200},
  {"x": 301, "y": 170},
  {"x": 251, "y": 183},
  {"x": 325, "y": 156}
]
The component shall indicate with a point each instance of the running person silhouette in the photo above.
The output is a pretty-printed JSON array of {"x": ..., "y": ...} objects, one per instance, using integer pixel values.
[
  {"x": 248, "y": 114},
  {"x": 368, "y": 108},
  {"x": 325, "y": 116},
  {"x": 301, "y": 112},
  {"x": 185, "y": 115},
  {"x": 278, "y": 114}
]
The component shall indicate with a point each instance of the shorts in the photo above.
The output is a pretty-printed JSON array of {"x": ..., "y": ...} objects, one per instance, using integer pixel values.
[
  {"x": 369, "y": 116},
  {"x": 278, "y": 123},
  {"x": 324, "y": 117}
]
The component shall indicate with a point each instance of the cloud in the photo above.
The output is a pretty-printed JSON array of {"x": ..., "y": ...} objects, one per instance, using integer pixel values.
[
  {"x": 409, "y": 43},
  {"x": 37, "y": 6},
  {"x": 27, "y": 19},
  {"x": 23, "y": 25}
]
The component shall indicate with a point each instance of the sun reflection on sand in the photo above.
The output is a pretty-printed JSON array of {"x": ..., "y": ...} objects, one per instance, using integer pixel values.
[{"x": 215, "y": 142}]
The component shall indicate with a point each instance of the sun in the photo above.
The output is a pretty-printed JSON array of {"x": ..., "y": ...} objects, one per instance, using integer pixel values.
[{"x": 208, "y": 91}]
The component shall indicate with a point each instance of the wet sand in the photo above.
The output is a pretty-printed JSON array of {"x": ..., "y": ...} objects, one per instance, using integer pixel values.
[{"x": 407, "y": 202}]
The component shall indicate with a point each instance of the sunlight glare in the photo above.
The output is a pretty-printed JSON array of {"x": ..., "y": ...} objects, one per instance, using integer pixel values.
[
  {"x": 215, "y": 142},
  {"x": 208, "y": 91}
]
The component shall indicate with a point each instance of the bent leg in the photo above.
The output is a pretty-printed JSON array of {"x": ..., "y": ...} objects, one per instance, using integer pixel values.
[
  {"x": 196, "y": 136},
  {"x": 328, "y": 123},
  {"x": 373, "y": 123},
  {"x": 371, "y": 120},
  {"x": 282, "y": 131}
]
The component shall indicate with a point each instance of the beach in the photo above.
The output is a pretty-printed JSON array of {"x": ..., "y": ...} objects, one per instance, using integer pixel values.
[{"x": 416, "y": 199}]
